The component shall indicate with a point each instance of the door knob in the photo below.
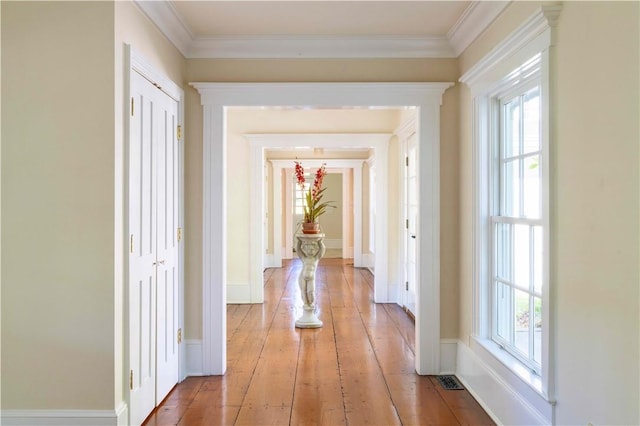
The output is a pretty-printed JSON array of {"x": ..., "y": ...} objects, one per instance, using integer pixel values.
[
  {"x": 413, "y": 236},
  {"x": 159, "y": 262}
]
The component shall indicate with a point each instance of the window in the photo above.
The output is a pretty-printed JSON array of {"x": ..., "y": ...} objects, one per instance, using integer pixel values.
[
  {"x": 516, "y": 222},
  {"x": 512, "y": 307},
  {"x": 512, "y": 225}
]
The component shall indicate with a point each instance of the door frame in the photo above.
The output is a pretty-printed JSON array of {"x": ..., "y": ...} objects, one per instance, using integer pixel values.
[
  {"x": 134, "y": 62},
  {"x": 283, "y": 220},
  {"x": 216, "y": 97}
]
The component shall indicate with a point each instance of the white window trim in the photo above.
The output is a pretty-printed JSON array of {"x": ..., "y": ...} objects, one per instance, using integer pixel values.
[{"x": 487, "y": 79}]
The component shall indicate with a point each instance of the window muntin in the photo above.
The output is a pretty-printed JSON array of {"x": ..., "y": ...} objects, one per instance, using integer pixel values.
[{"x": 517, "y": 225}]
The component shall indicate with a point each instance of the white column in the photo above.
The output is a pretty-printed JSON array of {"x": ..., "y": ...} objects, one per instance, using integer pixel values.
[
  {"x": 214, "y": 253},
  {"x": 428, "y": 247}
]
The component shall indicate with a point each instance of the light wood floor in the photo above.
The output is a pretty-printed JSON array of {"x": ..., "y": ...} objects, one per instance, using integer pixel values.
[{"x": 356, "y": 370}]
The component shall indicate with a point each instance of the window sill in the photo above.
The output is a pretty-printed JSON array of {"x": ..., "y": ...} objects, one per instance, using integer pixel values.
[{"x": 511, "y": 370}]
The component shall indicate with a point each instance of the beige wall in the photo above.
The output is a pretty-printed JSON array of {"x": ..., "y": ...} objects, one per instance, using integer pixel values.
[
  {"x": 58, "y": 205},
  {"x": 594, "y": 207},
  {"x": 331, "y": 221},
  {"x": 62, "y": 174}
]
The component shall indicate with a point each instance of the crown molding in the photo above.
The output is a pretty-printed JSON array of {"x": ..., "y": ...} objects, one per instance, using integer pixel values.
[
  {"x": 473, "y": 21},
  {"x": 320, "y": 47},
  {"x": 168, "y": 21}
]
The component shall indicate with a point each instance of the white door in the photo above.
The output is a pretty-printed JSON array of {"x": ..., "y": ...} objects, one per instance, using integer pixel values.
[
  {"x": 411, "y": 211},
  {"x": 153, "y": 259},
  {"x": 166, "y": 245}
]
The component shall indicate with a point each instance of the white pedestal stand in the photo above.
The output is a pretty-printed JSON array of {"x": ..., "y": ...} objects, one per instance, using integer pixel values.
[{"x": 310, "y": 249}]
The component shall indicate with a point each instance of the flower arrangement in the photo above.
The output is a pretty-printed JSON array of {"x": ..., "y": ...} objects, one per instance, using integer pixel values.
[{"x": 314, "y": 207}]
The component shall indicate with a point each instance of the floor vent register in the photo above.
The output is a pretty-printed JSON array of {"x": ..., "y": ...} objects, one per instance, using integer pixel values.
[{"x": 450, "y": 382}]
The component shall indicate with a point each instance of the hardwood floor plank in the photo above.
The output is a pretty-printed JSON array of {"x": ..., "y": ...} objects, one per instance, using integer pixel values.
[
  {"x": 358, "y": 369},
  {"x": 418, "y": 402},
  {"x": 465, "y": 408}
]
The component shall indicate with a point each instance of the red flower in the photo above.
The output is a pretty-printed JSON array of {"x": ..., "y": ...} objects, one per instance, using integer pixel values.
[
  {"x": 313, "y": 207},
  {"x": 300, "y": 175}
]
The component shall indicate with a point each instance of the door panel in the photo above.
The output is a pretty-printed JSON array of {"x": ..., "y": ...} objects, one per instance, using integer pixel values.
[
  {"x": 167, "y": 248},
  {"x": 153, "y": 260},
  {"x": 411, "y": 188},
  {"x": 142, "y": 222}
]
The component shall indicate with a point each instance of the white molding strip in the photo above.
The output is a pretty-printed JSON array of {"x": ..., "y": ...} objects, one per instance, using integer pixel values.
[
  {"x": 474, "y": 20},
  {"x": 62, "y": 417},
  {"x": 320, "y": 47},
  {"x": 496, "y": 393},
  {"x": 168, "y": 21},
  {"x": 122, "y": 414},
  {"x": 194, "y": 357}
]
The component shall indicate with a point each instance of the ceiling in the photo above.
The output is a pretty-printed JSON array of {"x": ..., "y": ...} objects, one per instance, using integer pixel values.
[{"x": 303, "y": 28}]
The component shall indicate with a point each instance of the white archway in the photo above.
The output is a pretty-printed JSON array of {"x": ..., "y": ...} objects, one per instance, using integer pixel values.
[{"x": 215, "y": 97}]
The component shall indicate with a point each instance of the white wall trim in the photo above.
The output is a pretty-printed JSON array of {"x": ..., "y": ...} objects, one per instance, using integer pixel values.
[
  {"x": 122, "y": 414},
  {"x": 194, "y": 357},
  {"x": 62, "y": 417},
  {"x": 165, "y": 17},
  {"x": 216, "y": 97},
  {"x": 320, "y": 47},
  {"x": 473, "y": 21},
  {"x": 499, "y": 392}
]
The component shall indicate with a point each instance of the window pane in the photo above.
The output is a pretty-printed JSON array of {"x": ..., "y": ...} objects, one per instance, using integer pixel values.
[
  {"x": 537, "y": 259},
  {"x": 522, "y": 321},
  {"x": 504, "y": 258},
  {"x": 511, "y": 137},
  {"x": 503, "y": 311},
  {"x": 511, "y": 188},
  {"x": 521, "y": 256},
  {"x": 537, "y": 330},
  {"x": 531, "y": 125},
  {"x": 532, "y": 187}
]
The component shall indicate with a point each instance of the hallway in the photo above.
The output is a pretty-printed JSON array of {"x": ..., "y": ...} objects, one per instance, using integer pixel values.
[{"x": 357, "y": 370}]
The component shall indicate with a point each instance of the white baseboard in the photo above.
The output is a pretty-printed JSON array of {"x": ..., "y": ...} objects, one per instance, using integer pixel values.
[
  {"x": 448, "y": 355},
  {"x": 64, "y": 417},
  {"x": 238, "y": 293},
  {"x": 193, "y": 349},
  {"x": 501, "y": 401}
]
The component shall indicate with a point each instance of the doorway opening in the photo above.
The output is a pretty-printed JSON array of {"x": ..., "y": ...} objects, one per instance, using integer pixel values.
[{"x": 217, "y": 97}]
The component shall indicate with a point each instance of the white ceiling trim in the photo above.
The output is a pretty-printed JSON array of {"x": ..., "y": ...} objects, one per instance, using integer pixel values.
[
  {"x": 472, "y": 22},
  {"x": 320, "y": 47}
]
